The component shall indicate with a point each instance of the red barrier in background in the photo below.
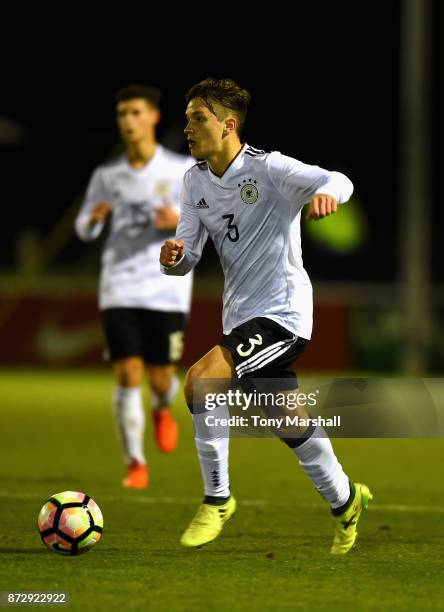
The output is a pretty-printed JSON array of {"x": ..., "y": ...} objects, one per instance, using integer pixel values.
[{"x": 65, "y": 330}]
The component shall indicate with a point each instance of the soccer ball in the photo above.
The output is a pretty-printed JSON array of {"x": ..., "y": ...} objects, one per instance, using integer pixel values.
[{"x": 70, "y": 523}]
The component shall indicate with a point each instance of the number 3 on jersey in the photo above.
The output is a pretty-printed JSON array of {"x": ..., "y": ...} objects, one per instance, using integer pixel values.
[{"x": 233, "y": 231}]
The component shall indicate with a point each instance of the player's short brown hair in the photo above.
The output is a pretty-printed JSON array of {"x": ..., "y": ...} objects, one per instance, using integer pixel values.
[
  {"x": 151, "y": 94},
  {"x": 225, "y": 92}
]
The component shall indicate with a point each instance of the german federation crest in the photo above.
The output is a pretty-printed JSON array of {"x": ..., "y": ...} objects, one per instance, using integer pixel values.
[
  {"x": 162, "y": 189},
  {"x": 249, "y": 193}
]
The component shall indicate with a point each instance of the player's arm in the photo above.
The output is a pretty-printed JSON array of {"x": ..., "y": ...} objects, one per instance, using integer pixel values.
[
  {"x": 337, "y": 189},
  {"x": 166, "y": 217},
  {"x": 171, "y": 253},
  {"x": 305, "y": 184},
  {"x": 321, "y": 205},
  {"x": 179, "y": 255},
  {"x": 94, "y": 210}
]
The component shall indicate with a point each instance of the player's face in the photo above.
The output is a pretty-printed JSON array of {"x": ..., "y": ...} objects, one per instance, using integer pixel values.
[
  {"x": 204, "y": 131},
  {"x": 136, "y": 119}
]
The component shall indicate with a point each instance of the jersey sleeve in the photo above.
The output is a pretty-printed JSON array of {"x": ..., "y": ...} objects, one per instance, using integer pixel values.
[
  {"x": 95, "y": 193},
  {"x": 191, "y": 230},
  {"x": 298, "y": 182},
  {"x": 178, "y": 186}
]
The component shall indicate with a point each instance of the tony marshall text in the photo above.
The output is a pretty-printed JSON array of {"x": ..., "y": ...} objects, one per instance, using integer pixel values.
[{"x": 255, "y": 420}]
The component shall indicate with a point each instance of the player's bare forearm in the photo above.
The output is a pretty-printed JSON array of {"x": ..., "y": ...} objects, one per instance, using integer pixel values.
[
  {"x": 321, "y": 205},
  {"x": 166, "y": 218},
  {"x": 100, "y": 212},
  {"x": 171, "y": 252}
]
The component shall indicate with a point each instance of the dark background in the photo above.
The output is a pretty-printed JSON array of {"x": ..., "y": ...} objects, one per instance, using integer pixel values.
[{"x": 325, "y": 86}]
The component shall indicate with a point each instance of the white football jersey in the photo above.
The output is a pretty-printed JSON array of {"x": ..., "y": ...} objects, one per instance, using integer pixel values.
[
  {"x": 252, "y": 214},
  {"x": 130, "y": 275}
]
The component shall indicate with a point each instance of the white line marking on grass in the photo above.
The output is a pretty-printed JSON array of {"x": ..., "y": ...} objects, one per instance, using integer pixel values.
[
  {"x": 402, "y": 508},
  {"x": 243, "y": 502},
  {"x": 131, "y": 499}
]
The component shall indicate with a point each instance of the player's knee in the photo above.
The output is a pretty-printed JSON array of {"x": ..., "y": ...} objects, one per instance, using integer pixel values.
[
  {"x": 160, "y": 381},
  {"x": 190, "y": 377},
  {"x": 129, "y": 372},
  {"x": 194, "y": 373}
]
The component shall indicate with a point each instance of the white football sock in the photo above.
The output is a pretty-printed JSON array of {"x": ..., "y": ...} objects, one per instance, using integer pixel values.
[
  {"x": 319, "y": 462},
  {"x": 130, "y": 418},
  {"x": 166, "y": 399},
  {"x": 212, "y": 444}
]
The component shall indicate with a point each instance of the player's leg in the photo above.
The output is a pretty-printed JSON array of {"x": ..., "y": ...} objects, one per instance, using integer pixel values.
[
  {"x": 315, "y": 452},
  {"x": 309, "y": 444},
  {"x": 122, "y": 333},
  {"x": 247, "y": 347},
  {"x": 130, "y": 417},
  {"x": 164, "y": 386},
  {"x": 347, "y": 500},
  {"x": 163, "y": 334},
  {"x": 212, "y": 445}
]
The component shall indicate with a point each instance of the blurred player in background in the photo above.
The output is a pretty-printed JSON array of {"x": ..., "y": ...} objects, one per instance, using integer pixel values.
[
  {"x": 143, "y": 311},
  {"x": 249, "y": 202}
]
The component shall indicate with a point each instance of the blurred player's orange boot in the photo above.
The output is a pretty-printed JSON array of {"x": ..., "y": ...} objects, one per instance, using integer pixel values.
[
  {"x": 138, "y": 476},
  {"x": 166, "y": 430}
]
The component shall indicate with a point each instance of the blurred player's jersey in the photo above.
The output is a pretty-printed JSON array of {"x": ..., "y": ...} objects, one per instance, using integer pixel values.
[
  {"x": 252, "y": 214},
  {"x": 130, "y": 275}
]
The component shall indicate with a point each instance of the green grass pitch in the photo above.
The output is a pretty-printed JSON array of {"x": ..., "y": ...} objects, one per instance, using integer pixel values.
[{"x": 56, "y": 433}]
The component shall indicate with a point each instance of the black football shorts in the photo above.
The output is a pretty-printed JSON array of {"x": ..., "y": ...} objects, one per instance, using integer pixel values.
[
  {"x": 261, "y": 348},
  {"x": 155, "y": 336}
]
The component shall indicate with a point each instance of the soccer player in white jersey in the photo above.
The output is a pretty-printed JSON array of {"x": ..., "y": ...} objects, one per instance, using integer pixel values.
[
  {"x": 143, "y": 312},
  {"x": 249, "y": 202}
]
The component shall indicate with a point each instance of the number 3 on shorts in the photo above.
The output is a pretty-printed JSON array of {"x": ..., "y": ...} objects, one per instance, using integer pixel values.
[
  {"x": 176, "y": 345},
  {"x": 253, "y": 342}
]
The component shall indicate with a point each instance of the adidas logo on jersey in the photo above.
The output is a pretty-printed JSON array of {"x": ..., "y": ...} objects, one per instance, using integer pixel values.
[{"x": 202, "y": 204}]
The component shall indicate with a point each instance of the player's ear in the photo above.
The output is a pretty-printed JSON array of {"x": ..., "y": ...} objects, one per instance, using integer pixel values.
[
  {"x": 230, "y": 126},
  {"x": 156, "y": 116}
]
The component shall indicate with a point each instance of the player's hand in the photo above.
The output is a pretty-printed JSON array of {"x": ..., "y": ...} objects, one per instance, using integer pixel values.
[
  {"x": 321, "y": 205},
  {"x": 166, "y": 218},
  {"x": 100, "y": 212},
  {"x": 171, "y": 252}
]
